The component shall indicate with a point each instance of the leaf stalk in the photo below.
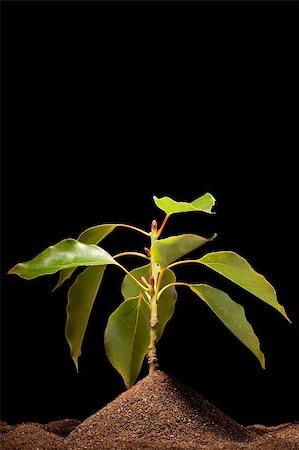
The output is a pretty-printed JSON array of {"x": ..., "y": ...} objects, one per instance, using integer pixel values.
[
  {"x": 176, "y": 283},
  {"x": 141, "y": 255},
  {"x": 124, "y": 225},
  {"x": 162, "y": 226},
  {"x": 144, "y": 288}
]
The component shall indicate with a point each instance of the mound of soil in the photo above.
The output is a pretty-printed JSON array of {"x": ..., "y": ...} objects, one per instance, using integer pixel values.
[
  {"x": 157, "y": 413},
  {"x": 30, "y": 436}
]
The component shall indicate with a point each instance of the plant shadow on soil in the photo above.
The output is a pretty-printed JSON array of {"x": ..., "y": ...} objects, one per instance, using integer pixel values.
[{"x": 157, "y": 413}]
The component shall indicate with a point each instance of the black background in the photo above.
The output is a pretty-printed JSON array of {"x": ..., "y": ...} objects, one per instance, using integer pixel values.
[{"x": 105, "y": 105}]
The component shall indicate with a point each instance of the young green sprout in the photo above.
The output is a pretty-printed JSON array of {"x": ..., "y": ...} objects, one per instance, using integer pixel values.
[{"x": 149, "y": 291}]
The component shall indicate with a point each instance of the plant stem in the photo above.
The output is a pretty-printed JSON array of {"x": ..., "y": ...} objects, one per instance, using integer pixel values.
[
  {"x": 153, "y": 292},
  {"x": 152, "y": 355}
]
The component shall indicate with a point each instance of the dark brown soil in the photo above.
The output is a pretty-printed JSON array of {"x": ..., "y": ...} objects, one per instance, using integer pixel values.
[
  {"x": 30, "y": 436},
  {"x": 36, "y": 436},
  {"x": 158, "y": 413}
]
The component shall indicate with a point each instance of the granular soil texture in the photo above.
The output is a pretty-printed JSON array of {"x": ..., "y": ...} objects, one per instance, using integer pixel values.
[
  {"x": 158, "y": 413},
  {"x": 30, "y": 436},
  {"x": 36, "y": 436}
]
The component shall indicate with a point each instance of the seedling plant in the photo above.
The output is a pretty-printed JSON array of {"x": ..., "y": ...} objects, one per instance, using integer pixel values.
[{"x": 149, "y": 291}]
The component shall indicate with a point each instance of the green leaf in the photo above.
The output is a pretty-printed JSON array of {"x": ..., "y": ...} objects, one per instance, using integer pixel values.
[
  {"x": 64, "y": 275},
  {"x": 67, "y": 253},
  {"x": 238, "y": 270},
  {"x": 165, "y": 251},
  {"x": 93, "y": 235},
  {"x": 81, "y": 298},
  {"x": 204, "y": 203},
  {"x": 232, "y": 315},
  {"x": 166, "y": 303},
  {"x": 127, "y": 338}
]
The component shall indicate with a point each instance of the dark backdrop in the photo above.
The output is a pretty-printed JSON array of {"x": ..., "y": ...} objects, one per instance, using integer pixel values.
[{"x": 104, "y": 106}]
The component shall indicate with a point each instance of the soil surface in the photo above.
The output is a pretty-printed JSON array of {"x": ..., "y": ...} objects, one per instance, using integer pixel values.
[{"x": 158, "y": 413}]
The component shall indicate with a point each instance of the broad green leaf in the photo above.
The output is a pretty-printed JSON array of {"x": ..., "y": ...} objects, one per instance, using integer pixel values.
[
  {"x": 165, "y": 251},
  {"x": 67, "y": 253},
  {"x": 232, "y": 315},
  {"x": 167, "y": 300},
  {"x": 127, "y": 338},
  {"x": 81, "y": 298},
  {"x": 238, "y": 270},
  {"x": 93, "y": 235},
  {"x": 204, "y": 203}
]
